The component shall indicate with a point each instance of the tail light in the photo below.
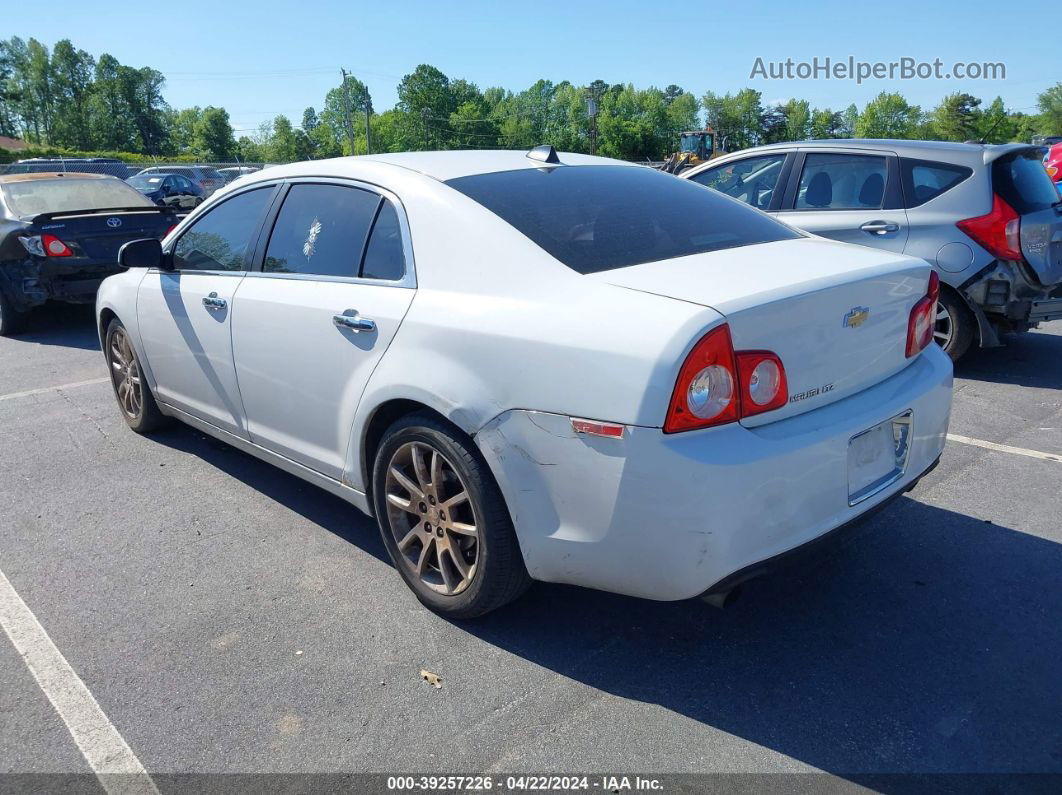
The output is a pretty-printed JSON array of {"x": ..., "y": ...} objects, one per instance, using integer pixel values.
[
  {"x": 45, "y": 246},
  {"x": 716, "y": 385},
  {"x": 763, "y": 384},
  {"x": 923, "y": 318},
  {"x": 56, "y": 247},
  {"x": 167, "y": 232},
  {"x": 998, "y": 231}
]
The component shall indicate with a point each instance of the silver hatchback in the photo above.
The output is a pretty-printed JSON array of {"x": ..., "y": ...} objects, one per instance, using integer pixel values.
[{"x": 986, "y": 217}]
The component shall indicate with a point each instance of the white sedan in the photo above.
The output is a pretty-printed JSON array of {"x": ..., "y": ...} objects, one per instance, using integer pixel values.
[{"x": 532, "y": 366}]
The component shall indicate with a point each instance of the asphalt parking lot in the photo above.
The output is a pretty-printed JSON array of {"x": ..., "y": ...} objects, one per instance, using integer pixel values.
[{"x": 228, "y": 617}]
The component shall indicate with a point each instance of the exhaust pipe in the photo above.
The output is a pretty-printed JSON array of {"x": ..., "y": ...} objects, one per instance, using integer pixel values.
[{"x": 722, "y": 599}]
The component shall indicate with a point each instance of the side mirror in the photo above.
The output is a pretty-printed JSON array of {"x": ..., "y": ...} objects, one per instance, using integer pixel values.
[{"x": 146, "y": 253}]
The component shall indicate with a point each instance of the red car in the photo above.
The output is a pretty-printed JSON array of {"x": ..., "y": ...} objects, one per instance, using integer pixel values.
[{"x": 1053, "y": 162}]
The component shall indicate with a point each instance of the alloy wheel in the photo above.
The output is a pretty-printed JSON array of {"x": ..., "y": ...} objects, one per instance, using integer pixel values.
[
  {"x": 944, "y": 328},
  {"x": 125, "y": 374},
  {"x": 432, "y": 518}
]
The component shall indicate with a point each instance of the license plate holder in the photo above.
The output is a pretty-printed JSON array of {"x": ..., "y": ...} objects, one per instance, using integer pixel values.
[{"x": 877, "y": 457}]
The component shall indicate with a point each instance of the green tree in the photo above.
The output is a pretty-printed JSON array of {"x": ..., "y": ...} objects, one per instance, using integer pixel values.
[
  {"x": 888, "y": 116},
  {"x": 825, "y": 123},
  {"x": 249, "y": 151},
  {"x": 182, "y": 124},
  {"x": 1050, "y": 103},
  {"x": 112, "y": 129},
  {"x": 738, "y": 118},
  {"x": 995, "y": 125},
  {"x": 797, "y": 119},
  {"x": 72, "y": 76},
  {"x": 212, "y": 137},
  {"x": 956, "y": 118}
]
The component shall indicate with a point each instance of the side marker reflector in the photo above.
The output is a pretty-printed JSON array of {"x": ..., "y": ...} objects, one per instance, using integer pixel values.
[{"x": 595, "y": 428}]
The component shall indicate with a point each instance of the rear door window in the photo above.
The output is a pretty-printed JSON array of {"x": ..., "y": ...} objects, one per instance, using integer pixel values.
[
  {"x": 752, "y": 180},
  {"x": 221, "y": 239},
  {"x": 924, "y": 180},
  {"x": 321, "y": 230},
  {"x": 597, "y": 218},
  {"x": 1022, "y": 182},
  {"x": 841, "y": 182},
  {"x": 384, "y": 255}
]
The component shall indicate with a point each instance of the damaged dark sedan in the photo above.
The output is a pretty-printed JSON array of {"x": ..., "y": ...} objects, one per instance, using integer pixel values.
[{"x": 60, "y": 234}]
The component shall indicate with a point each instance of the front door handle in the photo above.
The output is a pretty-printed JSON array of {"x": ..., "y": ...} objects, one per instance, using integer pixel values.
[
  {"x": 350, "y": 319},
  {"x": 213, "y": 303},
  {"x": 880, "y": 227}
]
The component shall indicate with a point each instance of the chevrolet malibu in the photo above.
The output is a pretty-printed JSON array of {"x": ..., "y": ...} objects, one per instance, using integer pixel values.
[{"x": 532, "y": 366}]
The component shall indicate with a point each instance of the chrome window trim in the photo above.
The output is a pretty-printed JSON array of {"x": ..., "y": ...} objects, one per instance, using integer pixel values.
[
  {"x": 195, "y": 272},
  {"x": 408, "y": 280}
]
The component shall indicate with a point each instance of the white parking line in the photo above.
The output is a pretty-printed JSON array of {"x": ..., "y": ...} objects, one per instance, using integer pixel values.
[
  {"x": 1003, "y": 448},
  {"x": 60, "y": 388},
  {"x": 110, "y": 758}
]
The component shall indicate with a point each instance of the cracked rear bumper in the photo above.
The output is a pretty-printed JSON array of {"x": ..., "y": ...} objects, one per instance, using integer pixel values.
[{"x": 670, "y": 516}]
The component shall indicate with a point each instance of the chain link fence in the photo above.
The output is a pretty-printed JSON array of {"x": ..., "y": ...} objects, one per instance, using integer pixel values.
[{"x": 208, "y": 176}]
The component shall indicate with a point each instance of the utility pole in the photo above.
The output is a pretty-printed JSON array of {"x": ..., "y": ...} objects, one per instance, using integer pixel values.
[
  {"x": 591, "y": 112},
  {"x": 367, "y": 104},
  {"x": 424, "y": 118},
  {"x": 348, "y": 121}
]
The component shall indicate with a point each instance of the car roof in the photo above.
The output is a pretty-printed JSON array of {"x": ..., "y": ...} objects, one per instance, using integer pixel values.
[
  {"x": 36, "y": 175},
  {"x": 440, "y": 165}
]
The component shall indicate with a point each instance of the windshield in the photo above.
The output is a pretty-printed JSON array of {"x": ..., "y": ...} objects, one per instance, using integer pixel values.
[
  {"x": 691, "y": 143},
  {"x": 33, "y": 197},
  {"x": 596, "y": 218},
  {"x": 148, "y": 182}
]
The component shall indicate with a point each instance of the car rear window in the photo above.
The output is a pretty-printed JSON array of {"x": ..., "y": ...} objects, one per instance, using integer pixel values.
[
  {"x": 597, "y": 218},
  {"x": 33, "y": 197},
  {"x": 1022, "y": 182},
  {"x": 924, "y": 180}
]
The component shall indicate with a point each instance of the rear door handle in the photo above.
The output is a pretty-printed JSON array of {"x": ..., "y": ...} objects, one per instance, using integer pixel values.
[
  {"x": 350, "y": 319},
  {"x": 880, "y": 227},
  {"x": 213, "y": 303}
]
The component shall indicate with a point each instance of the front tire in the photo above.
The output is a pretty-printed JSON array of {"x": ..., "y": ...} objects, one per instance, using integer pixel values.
[
  {"x": 444, "y": 521},
  {"x": 135, "y": 398},
  {"x": 956, "y": 327}
]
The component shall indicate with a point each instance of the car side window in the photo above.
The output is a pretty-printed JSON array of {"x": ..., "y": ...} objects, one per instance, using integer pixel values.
[
  {"x": 752, "y": 180},
  {"x": 923, "y": 180},
  {"x": 321, "y": 230},
  {"x": 841, "y": 182},
  {"x": 221, "y": 240},
  {"x": 385, "y": 257}
]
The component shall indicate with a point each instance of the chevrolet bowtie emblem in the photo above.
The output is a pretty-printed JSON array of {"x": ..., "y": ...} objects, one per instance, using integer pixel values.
[{"x": 856, "y": 316}]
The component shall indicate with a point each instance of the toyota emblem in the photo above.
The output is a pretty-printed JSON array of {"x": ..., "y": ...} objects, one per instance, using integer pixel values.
[{"x": 114, "y": 223}]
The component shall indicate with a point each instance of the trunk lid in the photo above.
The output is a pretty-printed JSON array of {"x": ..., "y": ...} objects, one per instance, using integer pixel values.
[
  {"x": 98, "y": 234},
  {"x": 1022, "y": 182},
  {"x": 835, "y": 314}
]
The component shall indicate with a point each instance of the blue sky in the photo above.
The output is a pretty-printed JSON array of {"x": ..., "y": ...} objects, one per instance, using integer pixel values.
[{"x": 258, "y": 59}]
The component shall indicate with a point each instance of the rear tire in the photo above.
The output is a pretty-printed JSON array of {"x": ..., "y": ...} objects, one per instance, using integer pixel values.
[
  {"x": 956, "y": 326},
  {"x": 10, "y": 318},
  {"x": 444, "y": 521},
  {"x": 135, "y": 399}
]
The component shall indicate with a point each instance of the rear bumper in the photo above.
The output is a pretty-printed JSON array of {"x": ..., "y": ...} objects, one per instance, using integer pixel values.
[
  {"x": 29, "y": 283},
  {"x": 1049, "y": 309},
  {"x": 673, "y": 516},
  {"x": 809, "y": 550},
  {"x": 1009, "y": 298}
]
